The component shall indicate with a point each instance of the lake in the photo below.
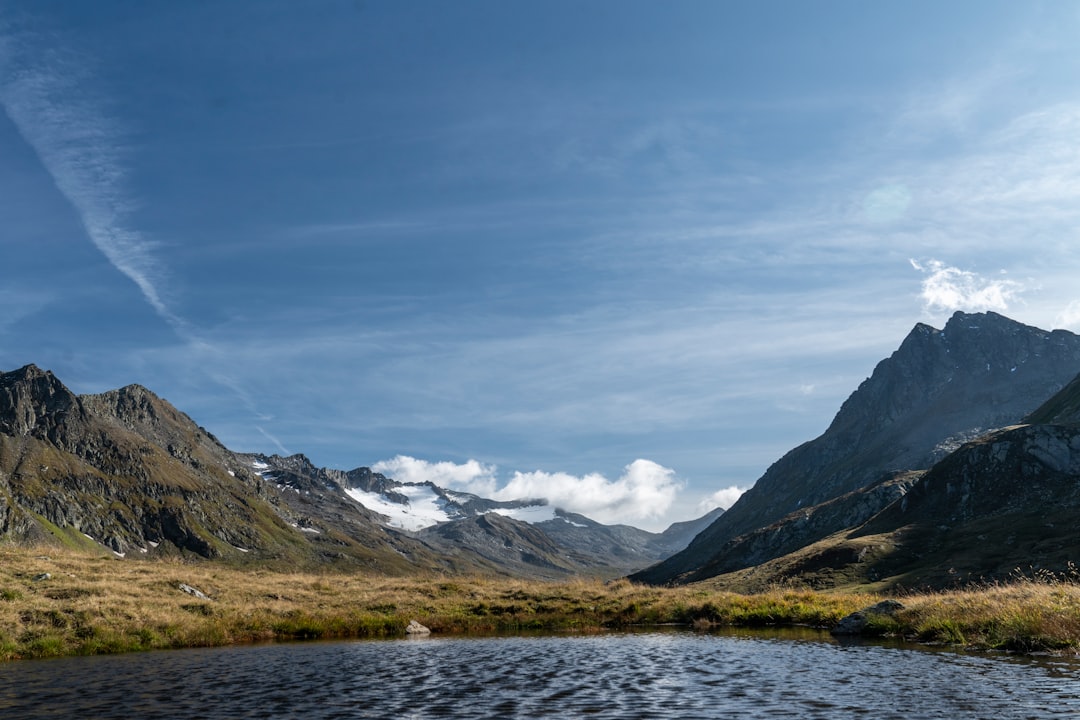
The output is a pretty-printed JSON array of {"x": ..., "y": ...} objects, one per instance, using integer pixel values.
[{"x": 743, "y": 674}]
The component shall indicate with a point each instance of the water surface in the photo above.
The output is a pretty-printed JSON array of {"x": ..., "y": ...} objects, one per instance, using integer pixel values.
[{"x": 640, "y": 675}]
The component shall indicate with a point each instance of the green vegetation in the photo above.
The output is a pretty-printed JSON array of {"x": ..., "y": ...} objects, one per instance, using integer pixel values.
[{"x": 92, "y": 604}]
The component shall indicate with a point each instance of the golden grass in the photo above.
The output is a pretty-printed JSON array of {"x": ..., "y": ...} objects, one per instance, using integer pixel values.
[
  {"x": 1026, "y": 615},
  {"x": 92, "y": 605}
]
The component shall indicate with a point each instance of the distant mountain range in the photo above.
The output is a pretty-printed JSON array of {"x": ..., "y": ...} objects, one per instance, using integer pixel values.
[
  {"x": 126, "y": 471},
  {"x": 923, "y": 478},
  {"x": 958, "y": 459}
]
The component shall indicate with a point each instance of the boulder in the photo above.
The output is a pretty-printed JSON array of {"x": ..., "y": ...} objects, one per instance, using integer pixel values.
[
  {"x": 194, "y": 591},
  {"x": 855, "y": 623},
  {"x": 416, "y": 628}
]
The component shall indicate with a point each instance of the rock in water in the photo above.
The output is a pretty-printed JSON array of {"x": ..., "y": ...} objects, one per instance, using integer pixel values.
[{"x": 416, "y": 628}]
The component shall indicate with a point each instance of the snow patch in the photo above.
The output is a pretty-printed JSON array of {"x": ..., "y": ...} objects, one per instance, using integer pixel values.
[{"x": 424, "y": 508}]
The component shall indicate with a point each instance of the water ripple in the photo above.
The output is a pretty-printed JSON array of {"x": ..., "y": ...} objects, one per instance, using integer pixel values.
[{"x": 647, "y": 675}]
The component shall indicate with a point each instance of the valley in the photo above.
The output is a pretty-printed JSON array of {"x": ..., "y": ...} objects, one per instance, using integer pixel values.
[{"x": 948, "y": 479}]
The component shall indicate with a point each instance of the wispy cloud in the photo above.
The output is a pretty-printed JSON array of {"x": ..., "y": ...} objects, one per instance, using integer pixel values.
[{"x": 44, "y": 90}]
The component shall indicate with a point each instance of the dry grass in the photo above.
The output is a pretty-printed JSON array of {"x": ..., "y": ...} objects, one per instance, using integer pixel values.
[
  {"x": 92, "y": 605},
  {"x": 1037, "y": 612}
]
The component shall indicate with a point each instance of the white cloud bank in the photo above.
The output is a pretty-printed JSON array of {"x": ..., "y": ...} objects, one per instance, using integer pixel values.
[
  {"x": 646, "y": 490},
  {"x": 471, "y": 476},
  {"x": 949, "y": 288}
]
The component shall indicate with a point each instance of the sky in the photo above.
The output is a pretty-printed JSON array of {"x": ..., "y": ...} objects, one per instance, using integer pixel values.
[{"x": 623, "y": 255}]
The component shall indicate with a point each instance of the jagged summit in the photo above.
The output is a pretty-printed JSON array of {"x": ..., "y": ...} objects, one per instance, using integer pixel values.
[{"x": 34, "y": 402}]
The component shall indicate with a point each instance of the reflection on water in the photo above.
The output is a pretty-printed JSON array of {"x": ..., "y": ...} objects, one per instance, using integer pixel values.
[{"x": 636, "y": 675}]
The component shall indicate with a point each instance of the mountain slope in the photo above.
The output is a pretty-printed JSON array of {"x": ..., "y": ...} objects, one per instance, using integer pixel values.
[
  {"x": 1009, "y": 500},
  {"x": 1062, "y": 409},
  {"x": 74, "y": 463},
  {"x": 940, "y": 388}
]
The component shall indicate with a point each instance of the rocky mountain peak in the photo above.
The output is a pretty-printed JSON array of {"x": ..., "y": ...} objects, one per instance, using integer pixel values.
[
  {"x": 977, "y": 360},
  {"x": 34, "y": 402}
]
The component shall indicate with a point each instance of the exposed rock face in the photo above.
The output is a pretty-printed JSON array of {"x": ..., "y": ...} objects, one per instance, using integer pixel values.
[
  {"x": 1006, "y": 501},
  {"x": 939, "y": 389},
  {"x": 33, "y": 402}
]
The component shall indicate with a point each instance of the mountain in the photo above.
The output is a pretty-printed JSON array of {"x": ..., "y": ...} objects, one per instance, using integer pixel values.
[
  {"x": 452, "y": 521},
  {"x": 939, "y": 389},
  {"x": 126, "y": 471},
  {"x": 1005, "y": 503}
]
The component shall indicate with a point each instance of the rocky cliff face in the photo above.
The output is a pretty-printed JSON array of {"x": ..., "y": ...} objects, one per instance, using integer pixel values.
[
  {"x": 34, "y": 403},
  {"x": 1009, "y": 500},
  {"x": 939, "y": 389}
]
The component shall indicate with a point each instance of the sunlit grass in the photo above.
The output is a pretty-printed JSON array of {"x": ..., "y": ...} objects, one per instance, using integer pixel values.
[{"x": 94, "y": 605}]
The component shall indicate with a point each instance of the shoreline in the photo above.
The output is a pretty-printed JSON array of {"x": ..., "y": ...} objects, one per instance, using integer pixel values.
[{"x": 57, "y": 603}]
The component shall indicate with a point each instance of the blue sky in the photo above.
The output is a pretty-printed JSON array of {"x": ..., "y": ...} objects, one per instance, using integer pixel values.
[{"x": 622, "y": 254}]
